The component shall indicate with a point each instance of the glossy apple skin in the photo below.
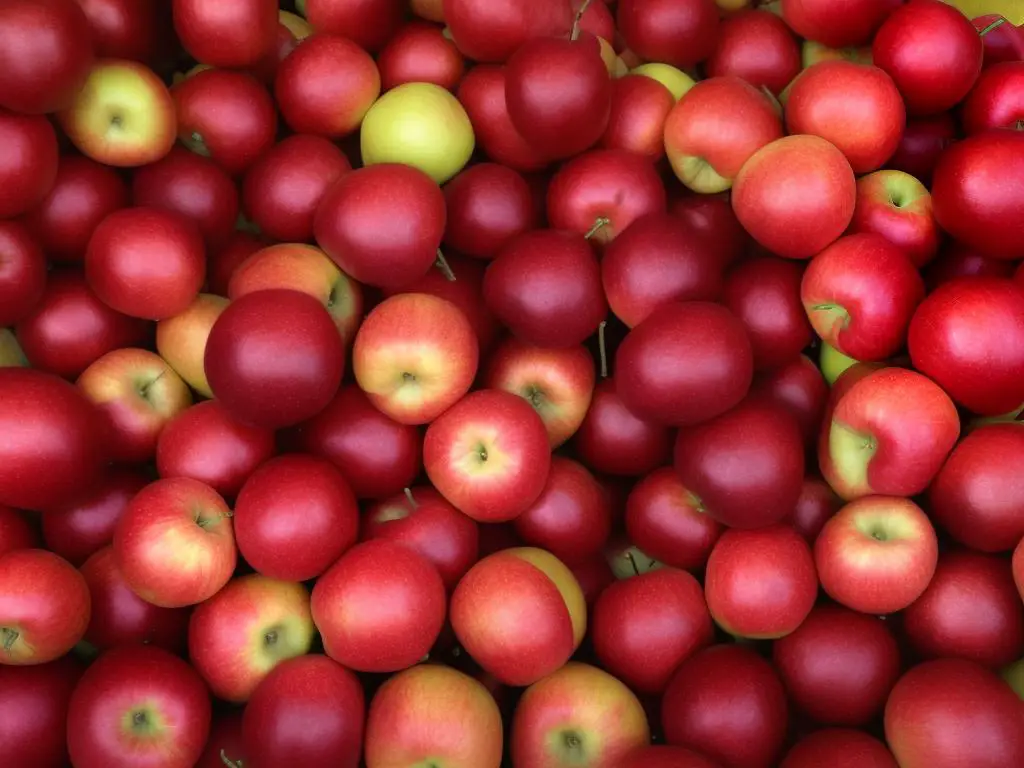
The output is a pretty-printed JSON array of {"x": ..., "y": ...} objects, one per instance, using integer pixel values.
[
  {"x": 685, "y": 363},
  {"x": 120, "y": 617},
  {"x": 958, "y": 261},
  {"x": 757, "y": 46},
  {"x": 224, "y": 260},
  {"x": 15, "y": 531},
  {"x": 898, "y": 207},
  {"x": 1018, "y": 569},
  {"x": 52, "y": 449},
  {"x": 271, "y": 373},
  {"x": 643, "y": 627},
  {"x": 128, "y": 29},
  {"x": 138, "y": 682},
  {"x": 1002, "y": 43},
  {"x": 729, "y": 704},
  {"x": 760, "y": 584},
  {"x": 990, "y": 223},
  {"x": 668, "y": 31},
  {"x": 236, "y": 39},
  {"x": 795, "y": 196},
  {"x": 713, "y": 218},
  {"x": 666, "y": 756},
  {"x": 968, "y": 335},
  {"x": 977, "y": 497},
  {"x": 837, "y": 25},
  {"x": 800, "y": 387},
  {"x": 377, "y": 456},
  {"x": 487, "y": 206},
  {"x": 44, "y": 606},
  {"x": 816, "y": 505},
  {"x": 46, "y": 57},
  {"x": 369, "y": 23},
  {"x": 30, "y": 167},
  {"x": 970, "y": 610},
  {"x": 924, "y": 140},
  {"x": 380, "y": 607},
  {"x": 331, "y": 728},
  {"x": 877, "y": 554},
  {"x": 995, "y": 101},
  {"x": 838, "y": 666},
  {"x": 760, "y": 437},
  {"x": 637, "y": 117},
  {"x": 491, "y": 33},
  {"x": 420, "y": 53},
  {"x": 294, "y": 517},
  {"x": 22, "y": 272},
  {"x": 33, "y": 731},
  {"x": 953, "y": 710},
  {"x": 839, "y": 748},
  {"x": 545, "y": 285},
  {"x": 934, "y": 72}
]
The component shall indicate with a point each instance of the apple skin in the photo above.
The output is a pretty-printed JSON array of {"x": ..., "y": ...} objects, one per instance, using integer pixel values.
[
  {"x": 839, "y": 666},
  {"x": 1003, "y": 42},
  {"x": 415, "y": 356},
  {"x": 778, "y": 562},
  {"x": 181, "y": 340},
  {"x": 898, "y": 207},
  {"x": 636, "y": 121},
  {"x": 838, "y": 748},
  {"x": 924, "y": 140},
  {"x": 837, "y": 25},
  {"x": 44, "y": 606},
  {"x": 860, "y": 294},
  {"x": 995, "y": 100},
  {"x": 643, "y": 627},
  {"x": 757, "y": 46},
  {"x": 331, "y": 729},
  {"x": 137, "y": 393},
  {"x": 491, "y": 33},
  {"x": 889, "y": 434},
  {"x": 977, "y": 358},
  {"x": 579, "y": 714},
  {"x": 666, "y": 756},
  {"x": 978, "y": 496},
  {"x": 957, "y": 261},
  {"x": 955, "y": 711},
  {"x": 433, "y": 712},
  {"x": 31, "y": 168},
  {"x": 729, "y": 704},
  {"x": 1017, "y": 565},
  {"x": 487, "y": 205},
  {"x": 713, "y": 218},
  {"x": 800, "y": 387},
  {"x": 420, "y": 53},
  {"x": 126, "y": 99},
  {"x": 994, "y": 227},
  {"x": 877, "y": 554},
  {"x": 174, "y": 544},
  {"x": 816, "y": 505},
  {"x": 677, "y": 33},
  {"x": 227, "y": 257},
  {"x": 15, "y": 531},
  {"x": 488, "y": 455},
  {"x": 706, "y": 141},
  {"x": 226, "y": 737},
  {"x": 970, "y": 610},
  {"x": 33, "y": 732},
  {"x": 237, "y": 38},
  {"x": 22, "y": 273},
  {"x": 369, "y": 23},
  {"x": 795, "y": 196},
  {"x": 490, "y": 606},
  {"x": 294, "y": 517}
]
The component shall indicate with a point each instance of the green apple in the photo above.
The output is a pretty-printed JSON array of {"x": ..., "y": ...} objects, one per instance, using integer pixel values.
[
  {"x": 11, "y": 355},
  {"x": 677, "y": 81},
  {"x": 833, "y": 363}
]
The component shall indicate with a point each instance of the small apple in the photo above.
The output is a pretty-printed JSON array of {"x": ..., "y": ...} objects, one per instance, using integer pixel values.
[
  {"x": 898, "y": 207},
  {"x": 181, "y": 339}
]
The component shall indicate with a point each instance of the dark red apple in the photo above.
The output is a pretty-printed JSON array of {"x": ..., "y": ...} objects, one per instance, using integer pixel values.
[
  {"x": 487, "y": 206},
  {"x": 225, "y": 738},
  {"x": 959, "y": 261},
  {"x": 839, "y": 748},
  {"x": 757, "y": 46},
  {"x": 842, "y": 24},
  {"x": 923, "y": 142},
  {"x": 677, "y": 32},
  {"x": 817, "y": 503},
  {"x": 16, "y": 532},
  {"x": 636, "y": 122},
  {"x": 34, "y": 731},
  {"x": 30, "y": 165},
  {"x": 666, "y": 756},
  {"x": 230, "y": 38},
  {"x": 492, "y": 32},
  {"x": 419, "y": 53},
  {"x": 800, "y": 387},
  {"x": 22, "y": 272},
  {"x": 996, "y": 101},
  {"x": 898, "y": 207},
  {"x": 128, "y": 29},
  {"x": 225, "y": 260},
  {"x": 369, "y": 23},
  {"x": 713, "y": 218}
]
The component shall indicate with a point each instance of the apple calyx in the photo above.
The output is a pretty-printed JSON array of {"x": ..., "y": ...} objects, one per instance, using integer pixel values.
[
  {"x": 142, "y": 388},
  {"x": 602, "y": 348},
  {"x": 599, "y": 223},
  {"x": 9, "y": 638},
  {"x": 534, "y": 396},
  {"x": 228, "y": 761},
  {"x": 572, "y": 743},
  {"x": 574, "y": 33},
  {"x": 442, "y": 264},
  {"x": 994, "y": 25}
]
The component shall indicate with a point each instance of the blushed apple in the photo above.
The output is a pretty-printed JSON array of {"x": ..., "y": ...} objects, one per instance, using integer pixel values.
[
  {"x": 757, "y": 46},
  {"x": 637, "y": 119},
  {"x": 898, "y": 207},
  {"x": 181, "y": 340},
  {"x": 851, "y": 23},
  {"x": 673, "y": 78}
]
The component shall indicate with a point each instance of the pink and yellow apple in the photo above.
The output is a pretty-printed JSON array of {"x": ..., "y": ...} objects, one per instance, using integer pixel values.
[{"x": 181, "y": 340}]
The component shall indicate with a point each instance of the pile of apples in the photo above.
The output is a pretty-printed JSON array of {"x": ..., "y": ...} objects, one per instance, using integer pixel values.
[{"x": 530, "y": 383}]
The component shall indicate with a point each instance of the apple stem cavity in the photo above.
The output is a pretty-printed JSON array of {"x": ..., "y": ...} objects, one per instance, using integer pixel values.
[
  {"x": 409, "y": 496},
  {"x": 632, "y": 563},
  {"x": 442, "y": 264},
  {"x": 574, "y": 34},
  {"x": 197, "y": 144},
  {"x": 994, "y": 25},
  {"x": 10, "y": 637},
  {"x": 602, "y": 349},
  {"x": 599, "y": 224},
  {"x": 228, "y": 761}
]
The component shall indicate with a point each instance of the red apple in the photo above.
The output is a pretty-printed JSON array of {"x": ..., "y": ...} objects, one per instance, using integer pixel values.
[
  {"x": 419, "y": 53},
  {"x": 816, "y": 505},
  {"x": 174, "y": 544},
  {"x": 294, "y": 517},
  {"x": 838, "y": 748},
  {"x": 30, "y": 169},
  {"x": 594, "y": 576},
  {"x": 44, "y": 607},
  {"x": 800, "y": 387},
  {"x": 487, "y": 206},
  {"x": 1003, "y": 41},
  {"x": 755, "y": 45},
  {"x": 959, "y": 261},
  {"x": 33, "y": 732},
  {"x": 22, "y": 272},
  {"x": 839, "y": 665},
  {"x": 225, "y": 738},
  {"x": 128, "y": 29},
  {"x": 995, "y": 101},
  {"x": 713, "y": 218},
  {"x": 677, "y": 32},
  {"x": 877, "y": 554},
  {"x": 837, "y": 25},
  {"x": 15, "y": 531},
  {"x": 138, "y": 705},
  {"x": 898, "y": 207},
  {"x": 379, "y": 608},
  {"x": 666, "y": 756},
  {"x": 636, "y": 121},
  {"x": 225, "y": 259},
  {"x": 924, "y": 140},
  {"x": 487, "y": 32},
  {"x": 1018, "y": 568},
  {"x": 181, "y": 340},
  {"x": 237, "y": 38},
  {"x": 370, "y": 23}
]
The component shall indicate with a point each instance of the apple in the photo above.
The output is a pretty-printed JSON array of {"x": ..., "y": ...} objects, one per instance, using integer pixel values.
[
  {"x": 220, "y": 39},
  {"x": 487, "y": 206},
  {"x": 898, "y": 207},
  {"x": 995, "y": 100},
  {"x": 812, "y": 53},
  {"x": 380, "y": 607},
  {"x": 294, "y": 517},
  {"x": 877, "y": 554},
  {"x": 22, "y": 273},
  {"x": 924, "y": 140},
  {"x": 1017, "y": 565},
  {"x": 174, "y": 544},
  {"x": 488, "y": 33},
  {"x": 420, "y": 53},
  {"x": 713, "y": 218},
  {"x": 968, "y": 336},
  {"x": 953, "y": 711},
  {"x": 853, "y": 22},
  {"x": 29, "y": 174},
  {"x": 181, "y": 340},
  {"x": 757, "y": 46},
  {"x": 415, "y": 356},
  {"x": 970, "y": 610},
  {"x": 128, "y": 29},
  {"x": 705, "y": 141},
  {"x": 369, "y": 23},
  {"x": 636, "y": 120},
  {"x": 225, "y": 739},
  {"x": 1003, "y": 41},
  {"x": 138, "y": 703},
  {"x": 727, "y": 703},
  {"x": 44, "y": 607},
  {"x": 800, "y": 387},
  {"x": 936, "y": 74},
  {"x": 643, "y": 627},
  {"x": 839, "y": 748},
  {"x": 839, "y": 666},
  {"x": 816, "y": 505},
  {"x": 33, "y": 732},
  {"x": 677, "y": 32},
  {"x": 15, "y": 531},
  {"x": 664, "y": 755},
  {"x": 578, "y": 715}
]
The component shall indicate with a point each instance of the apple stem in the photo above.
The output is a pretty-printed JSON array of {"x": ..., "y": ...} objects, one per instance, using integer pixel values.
[
  {"x": 599, "y": 224},
  {"x": 228, "y": 761},
  {"x": 632, "y": 562},
  {"x": 994, "y": 25},
  {"x": 602, "y": 349},
  {"x": 408, "y": 495},
  {"x": 442, "y": 264},
  {"x": 10, "y": 638},
  {"x": 575, "y": 33}
]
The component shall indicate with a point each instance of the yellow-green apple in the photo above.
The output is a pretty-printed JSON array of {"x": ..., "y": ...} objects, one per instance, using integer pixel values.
[
  {"x": 1013, "y": 674},
  {"x": 796, "y": 195},
  {"x": 488, "y": 455},
  {"x": 558, "y": 383},
  {"x": 415, "y": 356},
  {"x": 889, "y": 434},
  {"x": 11, "y": 354},
  {"x": 833, "y": 362},
  {"x": 898, "y": 207},
  {"x": 1018, "y": 568},
  {"x": 418, "y": 124},
  {"x": 761, "y": 584},
  {"x": 520, "y": 613},
  {"x": 812, "y": 53},
  {"x": 677, "y": 81},
  {"x": 877, "y": 554},
  {"x": 579, "y": 716},
  {"x": 380, "y": 607},
  {"x": 123, "y": 116},
  {"x": 137, "y": 392},
  {"x": 432, "y": 715},
  {"x": 860, "y": 293},
  {"x": 174, "y": 543},
  {"x": 237, "y": 636},
  {"x": 44, "y": 607},
  {"x": 715, "y": 128},
  {"x": 181, "y": 339},
  {"x": 305, "y": 268}
]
